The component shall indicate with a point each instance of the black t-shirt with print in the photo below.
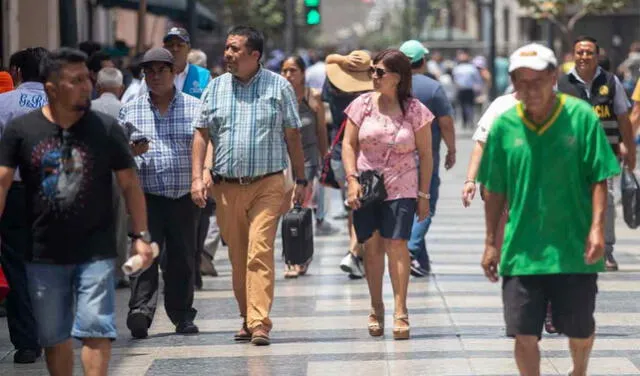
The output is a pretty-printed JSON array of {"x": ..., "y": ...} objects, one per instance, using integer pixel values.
[{"x": 68, "y": 180}]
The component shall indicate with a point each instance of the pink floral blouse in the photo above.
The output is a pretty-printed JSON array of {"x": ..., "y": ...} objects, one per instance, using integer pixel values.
[{"x": 381, "y": 136}]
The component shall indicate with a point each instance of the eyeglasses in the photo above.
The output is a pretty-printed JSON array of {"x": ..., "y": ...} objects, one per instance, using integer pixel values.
[
  {"x": 65, "y": 151},
  {"x": 377, "y": 71},
  {"x": 153, "y": 72}
]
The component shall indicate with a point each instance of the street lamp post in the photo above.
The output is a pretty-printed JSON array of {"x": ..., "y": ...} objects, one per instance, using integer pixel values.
[{"x": 489, "y": 27}]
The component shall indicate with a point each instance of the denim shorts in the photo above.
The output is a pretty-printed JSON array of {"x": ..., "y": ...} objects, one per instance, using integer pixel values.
[
  {"x": 55, "y": 288},
  {"x": 393, "y": 219}
]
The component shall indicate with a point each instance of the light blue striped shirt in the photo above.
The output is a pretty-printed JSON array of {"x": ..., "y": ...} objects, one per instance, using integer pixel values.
[
  {"x": 165, "y": 170},
  {"x": 246, "y": 123}
]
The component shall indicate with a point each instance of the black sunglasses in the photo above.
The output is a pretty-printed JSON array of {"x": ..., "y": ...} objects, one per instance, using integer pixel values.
[
  {"x": 378, "y": 71},
  {"x": 65, "y": 150}
]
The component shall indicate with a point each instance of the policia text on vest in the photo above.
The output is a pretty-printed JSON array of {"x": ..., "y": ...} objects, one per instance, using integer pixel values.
[{"x": 601, "y": 98}]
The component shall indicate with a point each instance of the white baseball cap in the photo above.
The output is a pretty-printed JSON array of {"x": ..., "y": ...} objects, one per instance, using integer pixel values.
[{"x": 533, "y": 56}]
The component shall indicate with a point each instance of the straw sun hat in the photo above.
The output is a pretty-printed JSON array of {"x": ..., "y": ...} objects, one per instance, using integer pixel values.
[{"x": 352, "y": 80}]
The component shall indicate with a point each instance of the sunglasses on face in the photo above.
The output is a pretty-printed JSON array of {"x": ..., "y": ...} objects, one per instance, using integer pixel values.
[{"x": 377, "y": 71}]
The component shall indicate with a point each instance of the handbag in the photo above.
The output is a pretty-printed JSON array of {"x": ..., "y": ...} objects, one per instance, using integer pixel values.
[
  {"x": 4, "y": 285},
  {"x": 630, "y": 198},
  {"x": 327, "y": 176},
  {"x": 373, "y": 190}
]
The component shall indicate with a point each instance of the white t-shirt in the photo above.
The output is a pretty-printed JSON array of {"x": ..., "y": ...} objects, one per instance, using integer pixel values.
[{"x": 499, "y": 106}]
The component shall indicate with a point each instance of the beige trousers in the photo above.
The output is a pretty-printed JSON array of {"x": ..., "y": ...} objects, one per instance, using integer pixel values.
[{"x": 248, "y": 219}]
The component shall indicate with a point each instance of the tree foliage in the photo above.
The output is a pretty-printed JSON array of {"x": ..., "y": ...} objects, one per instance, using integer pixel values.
[{"x": 566, "y": 13}]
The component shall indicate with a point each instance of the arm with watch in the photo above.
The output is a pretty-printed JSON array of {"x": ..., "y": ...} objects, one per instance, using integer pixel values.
[
  {"x": 425, "y": 171},
  {"x": 296, "y": 155},
  {"x": 137, "y": 208}
]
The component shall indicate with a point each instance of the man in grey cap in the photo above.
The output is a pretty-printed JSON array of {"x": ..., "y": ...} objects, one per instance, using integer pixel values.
[
  {"x": 159, "y": 125},
  {"x": 189, "y": 78}
]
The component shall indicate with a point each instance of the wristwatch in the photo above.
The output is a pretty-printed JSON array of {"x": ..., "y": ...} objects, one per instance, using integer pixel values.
[
  {"x": 423, "y": 195},
  {"x": 302, "y": 182},
  {"x": 145, "y": 236}
]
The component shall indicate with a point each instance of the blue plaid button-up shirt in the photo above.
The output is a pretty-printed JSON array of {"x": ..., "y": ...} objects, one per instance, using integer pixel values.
[
  {"x": 165, "y": 170},
  {"x": 246, "y": 123}
]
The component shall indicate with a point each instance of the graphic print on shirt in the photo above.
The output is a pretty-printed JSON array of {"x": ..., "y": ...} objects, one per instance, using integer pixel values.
[
  {"x": 64, "y": 174},
  {"x": 32, "y": 101}
]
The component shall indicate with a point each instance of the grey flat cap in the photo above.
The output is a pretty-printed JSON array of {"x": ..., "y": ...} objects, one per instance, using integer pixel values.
[{"x": 159, "y": 54}]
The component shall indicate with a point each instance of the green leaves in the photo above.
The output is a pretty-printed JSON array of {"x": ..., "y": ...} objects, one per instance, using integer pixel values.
[{"x": 556, "y": 8}]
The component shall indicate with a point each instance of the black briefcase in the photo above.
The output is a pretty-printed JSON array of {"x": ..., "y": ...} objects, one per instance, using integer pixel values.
[{"x": 297, "y": 235}]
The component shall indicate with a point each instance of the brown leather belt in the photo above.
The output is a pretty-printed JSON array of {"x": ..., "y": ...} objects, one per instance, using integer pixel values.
[{"x": 246, "y": 180}]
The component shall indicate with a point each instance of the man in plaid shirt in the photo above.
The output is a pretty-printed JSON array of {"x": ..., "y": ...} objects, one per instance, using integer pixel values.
[{"x": 159, "y": 125}]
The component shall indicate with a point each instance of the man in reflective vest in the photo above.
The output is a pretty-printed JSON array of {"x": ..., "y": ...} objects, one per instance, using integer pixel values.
[
  {"x": 190, "y": 79},
  {"x": 606, "y": 95}
]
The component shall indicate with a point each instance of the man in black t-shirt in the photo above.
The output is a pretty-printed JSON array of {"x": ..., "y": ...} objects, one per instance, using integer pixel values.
[{"x": 66, "y": 155}]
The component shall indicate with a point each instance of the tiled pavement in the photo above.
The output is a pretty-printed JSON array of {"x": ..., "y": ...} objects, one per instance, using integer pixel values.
[{"x": 320, "y": 319}]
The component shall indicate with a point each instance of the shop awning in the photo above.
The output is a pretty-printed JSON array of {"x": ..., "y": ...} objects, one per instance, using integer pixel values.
[{"x": 174, "y": 9}]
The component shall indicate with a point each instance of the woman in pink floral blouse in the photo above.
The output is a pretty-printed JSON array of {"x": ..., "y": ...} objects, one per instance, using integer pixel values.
[{"x": 385, "y": 131}]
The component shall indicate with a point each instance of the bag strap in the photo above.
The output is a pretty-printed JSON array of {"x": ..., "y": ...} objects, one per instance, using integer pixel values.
[{"x": 338, "y": 135}]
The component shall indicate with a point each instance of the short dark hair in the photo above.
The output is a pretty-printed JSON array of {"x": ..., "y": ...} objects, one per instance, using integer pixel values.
[
  {"x": 95, "y": 61},
  {"x": 52, "y": 63},
  {"x": 255, "y": 39},
  {"x": 586, "y": 38},
  {"x": 28, "y": 61},
  {"x": 135, "y": 67},
  {"x": 89, "y": 47},
  {"x": 418, "y": 64}
]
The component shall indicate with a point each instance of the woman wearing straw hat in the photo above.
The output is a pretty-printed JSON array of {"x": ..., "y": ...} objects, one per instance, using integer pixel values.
[{"x": 347, "y": 78}]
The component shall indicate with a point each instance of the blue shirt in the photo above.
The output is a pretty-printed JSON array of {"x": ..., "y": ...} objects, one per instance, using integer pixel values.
[
  {"x": 338, "y": 101},
  {"x": 430, "y": 93},
  {"x": 467, "y": 76},
  {"x": 165, "y": 170},
  {"x": 246, "y": 122},
  {"x": 25, "y": 98}
]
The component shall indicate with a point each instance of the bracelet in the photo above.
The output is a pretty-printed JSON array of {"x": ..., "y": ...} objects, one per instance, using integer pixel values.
[
  {"x": 354, "y": 175},
  {"x": 426, "y": 196},
  {"x": 470, "y": 181}
]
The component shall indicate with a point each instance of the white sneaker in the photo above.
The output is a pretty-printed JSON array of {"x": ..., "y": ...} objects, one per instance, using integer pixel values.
[
  {"x": 353, "y": 265},
  {"x": 324, "y": 228}
]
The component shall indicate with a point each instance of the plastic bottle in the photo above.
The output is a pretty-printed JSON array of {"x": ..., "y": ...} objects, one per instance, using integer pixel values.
[{"x": 133, "y": 265}]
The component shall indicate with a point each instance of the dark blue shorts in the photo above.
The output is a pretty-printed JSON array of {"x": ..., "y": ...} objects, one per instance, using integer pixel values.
[{"x": 393, "y": 219}]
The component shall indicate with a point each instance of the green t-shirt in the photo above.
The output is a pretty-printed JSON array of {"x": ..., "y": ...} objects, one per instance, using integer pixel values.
[{"x": 546, "y": 173}]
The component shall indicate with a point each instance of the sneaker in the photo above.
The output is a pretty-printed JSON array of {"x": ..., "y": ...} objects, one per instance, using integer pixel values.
[
  {"x": 26, "y": 356},
  {"x": 324, "y": 228},
  {"x": 610, "y": 263},
  {"x": 138, "y": 324},
  {"x": 187, "y": 327},
  {"x": 417, "y": 270},
  {"x": 353, "y": 265}
]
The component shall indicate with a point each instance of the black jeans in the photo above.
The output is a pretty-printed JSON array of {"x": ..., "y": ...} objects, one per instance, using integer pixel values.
[
  {"x": 15, "y": 234},
  {"x": 466, "y": 98},
  {"x": 173, "y": 225}
]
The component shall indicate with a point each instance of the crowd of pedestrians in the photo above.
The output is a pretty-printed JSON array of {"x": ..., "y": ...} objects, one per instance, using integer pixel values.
[{"x": 97, "y": 165}]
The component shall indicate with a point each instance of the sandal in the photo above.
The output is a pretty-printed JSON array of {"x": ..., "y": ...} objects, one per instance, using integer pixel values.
[
  {"x": 401, "y": 331},
  {"x": 290, "y": 271},
  {"x": 376, "y": 324},
  {"x": 303, "y": 268}
]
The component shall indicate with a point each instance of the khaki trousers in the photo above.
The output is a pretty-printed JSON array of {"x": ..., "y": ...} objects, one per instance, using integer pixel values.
[{"x": 248, "y": 219}]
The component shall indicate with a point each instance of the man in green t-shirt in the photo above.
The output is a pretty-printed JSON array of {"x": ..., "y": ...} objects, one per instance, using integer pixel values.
[{"x": 548, "y": 159}]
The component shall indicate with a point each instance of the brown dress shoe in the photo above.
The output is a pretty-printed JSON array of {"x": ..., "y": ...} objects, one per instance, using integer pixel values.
[
  {"x": 260, "y": 336},
  {"x": 243, "y": 334}
]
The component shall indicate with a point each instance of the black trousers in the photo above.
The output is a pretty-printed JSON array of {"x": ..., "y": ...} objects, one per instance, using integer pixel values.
[
  {"x": 173, "y": 225},
  {"x": 466, "y": 98},
  {"x": 15, "y": 234},
  {"x": 204, "y": 218}
]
